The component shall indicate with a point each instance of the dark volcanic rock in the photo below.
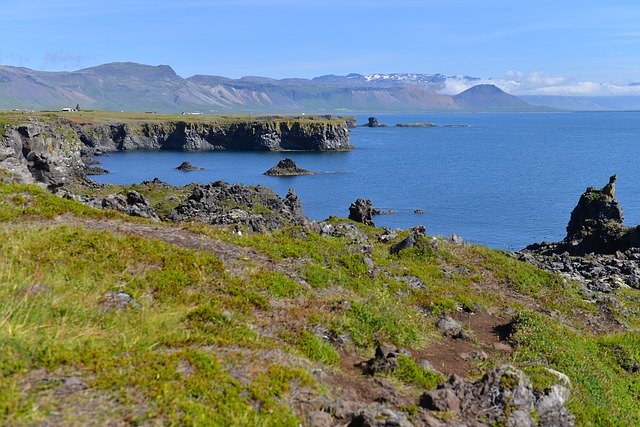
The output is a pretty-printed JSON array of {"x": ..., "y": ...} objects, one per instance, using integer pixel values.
[
  {"x": 372, "y": 122},
  {"x": 595, "y": 226},
  {"x": 361, "y": 211},
  {"x": 259, "y": 208},
  {"x": 134, "y": 204},
  {"x": 187, "y": 167},
  {"x": 96, "y": 170},
  {"x": 287, "y": 167},
  {"x": 410, "y": 241}
]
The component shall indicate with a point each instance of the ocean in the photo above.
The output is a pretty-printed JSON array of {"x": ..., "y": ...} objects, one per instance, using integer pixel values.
[{"x": 504, "y": 180}]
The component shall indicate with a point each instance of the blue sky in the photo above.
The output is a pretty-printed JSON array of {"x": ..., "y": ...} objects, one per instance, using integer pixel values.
[{"x": 567, "y": 43}]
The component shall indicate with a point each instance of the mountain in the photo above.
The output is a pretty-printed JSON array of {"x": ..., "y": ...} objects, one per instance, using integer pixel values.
[
  {"x": 136, "y": 87},
  {"x": 478, "y": 97}
]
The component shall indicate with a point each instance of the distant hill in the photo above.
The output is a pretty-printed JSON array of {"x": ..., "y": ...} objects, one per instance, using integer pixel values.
[
  {"x": 136, "y": 87},
  {"x": 586, "y": 103},
  {"x": 478, "y": 97}
]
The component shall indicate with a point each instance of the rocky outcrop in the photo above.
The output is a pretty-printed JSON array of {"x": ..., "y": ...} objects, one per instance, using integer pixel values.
[
  {"x": 361, "y": 211},
  {"x": 599, "y": 252},
  {"x": 41, "y": 152},
  {"x": 595, "y": 226},
  {"x": 134, "y": 204},
  {"x": 373, "y": 122},
  {"x": 504, "y": 396},
  {"x": 258, "y": 208},
  {"x": 287, "y": 167},
  {"x": 188, "y": 167}
]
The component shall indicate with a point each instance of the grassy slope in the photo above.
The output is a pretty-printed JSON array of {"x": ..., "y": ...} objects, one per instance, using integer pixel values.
[{"x": 223, "y": 343}]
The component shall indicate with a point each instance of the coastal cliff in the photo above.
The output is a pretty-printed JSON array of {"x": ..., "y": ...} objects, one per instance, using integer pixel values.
[{"x": 51, "y": 148}]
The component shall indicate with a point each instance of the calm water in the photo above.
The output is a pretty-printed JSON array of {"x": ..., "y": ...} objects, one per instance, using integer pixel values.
[{"x": 506, "y": 181}]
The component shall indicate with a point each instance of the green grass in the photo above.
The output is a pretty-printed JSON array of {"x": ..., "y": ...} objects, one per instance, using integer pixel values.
[
  {"x": 408, "y": 371},
  {"x": 211, "y": 345},
  {"x": 603, "y": 392}
]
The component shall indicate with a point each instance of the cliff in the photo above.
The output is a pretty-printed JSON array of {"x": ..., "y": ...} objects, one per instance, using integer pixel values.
[{"x": 50, "y": 148}]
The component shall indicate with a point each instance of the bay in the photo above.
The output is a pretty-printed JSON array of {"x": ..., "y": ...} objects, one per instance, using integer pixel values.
[{"x": 501, "y": 179}]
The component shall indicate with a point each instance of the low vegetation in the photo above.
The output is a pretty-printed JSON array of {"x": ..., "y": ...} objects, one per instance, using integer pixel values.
[{"x": 105, "y": 320}]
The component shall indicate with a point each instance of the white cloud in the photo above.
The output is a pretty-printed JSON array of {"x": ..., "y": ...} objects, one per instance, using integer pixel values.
[{"x": 541, "y": 83}]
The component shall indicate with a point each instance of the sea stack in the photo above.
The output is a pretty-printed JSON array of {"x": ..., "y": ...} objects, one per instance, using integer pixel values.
[{"x": 287, "y": 167}]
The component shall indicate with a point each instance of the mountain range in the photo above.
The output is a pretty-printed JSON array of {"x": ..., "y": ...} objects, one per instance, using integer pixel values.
[{"x": 136, "y": 87}]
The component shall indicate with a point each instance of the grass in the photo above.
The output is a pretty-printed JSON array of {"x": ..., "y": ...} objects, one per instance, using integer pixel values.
[
  {"x": 13, "y": 118},
  {"x": 213, "y": 345}
]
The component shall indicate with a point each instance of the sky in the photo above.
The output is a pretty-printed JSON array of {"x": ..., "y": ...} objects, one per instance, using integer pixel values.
[{"x": 525, "y": 47}]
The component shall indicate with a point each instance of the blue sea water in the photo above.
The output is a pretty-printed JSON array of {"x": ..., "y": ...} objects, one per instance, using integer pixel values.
[{"x": 505, "y": 180}]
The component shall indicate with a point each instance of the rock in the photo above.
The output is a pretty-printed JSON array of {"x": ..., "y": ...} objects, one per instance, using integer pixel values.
[
  {"x": 418, "y": 211},
  {"x": 500, "y": 346},
  {"x": 410, "y": 241},
  {"x": 384, "y": 361},
  {"x": 119, "y": 301},
  {"x": 378, "y": 211},
  {"x": 134, "y": 204},
  {"x": 504, "y": 396},
  {"x": 387, "y": 235},
  {"x": 96, "y": 170},
  {"x": 259, "y": 208},
  {"x": 361, "y": 211},
  {"x": 187, "y": 167},
  {"x": 443, "y": 399},
  {"x": 449, "y": 326},
  {"x": 320, "y": 419},
  {"x": 474, "y": 355},
  {"x": 456, "y": 240},
  {"x": 287, "y": 167},
  {"x": 372, "y": 122},
  {"x": 415, "y": 125}
]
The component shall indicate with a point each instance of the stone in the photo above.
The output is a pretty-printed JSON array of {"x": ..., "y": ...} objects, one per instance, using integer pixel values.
[
  {"x": 320, "y": 419},
  {"x": 361, "y": 211},
  {"x": 504, "y": 396},
  {"x": 134, "y": 204},
  {"x": 119, "y": 301},
  {"x": 287, "y": 167},
  {"x": 443, "y": 399},
  {"x": 410, "y": 241},
  {"x": 449, "y": 326}
]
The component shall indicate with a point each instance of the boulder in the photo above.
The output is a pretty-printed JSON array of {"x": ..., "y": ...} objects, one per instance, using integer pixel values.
[
  {"x": 410, "y": 241},
  {"x": 504, "y": 396},
  {"x": 134, "y": 204},
  {"x": 361, "y": 211},
  {"x": 287, "y": 167}
]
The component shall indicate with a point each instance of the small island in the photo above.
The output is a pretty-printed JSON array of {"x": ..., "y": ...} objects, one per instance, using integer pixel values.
[
  {"x": 188, "y": 167},
  {"x": 287, "y": 167}
]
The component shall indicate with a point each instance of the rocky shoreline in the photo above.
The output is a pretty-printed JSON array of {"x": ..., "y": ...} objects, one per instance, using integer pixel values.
[{"x": 598, "y": 252}]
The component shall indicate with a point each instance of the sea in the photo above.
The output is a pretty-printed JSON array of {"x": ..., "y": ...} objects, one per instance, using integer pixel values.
[{"x": 504, "y": 180}]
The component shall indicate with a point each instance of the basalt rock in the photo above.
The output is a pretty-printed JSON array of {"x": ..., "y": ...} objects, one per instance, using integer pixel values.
[
  {"x": 361, "y": 211},
  {"x": 372, "y": 122},
  {"x": 258, "y": 208},
  {"x": 134, "y": 204},
  {"x": 595, "y": 226},
  {"x": 287, "y": 167}
]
